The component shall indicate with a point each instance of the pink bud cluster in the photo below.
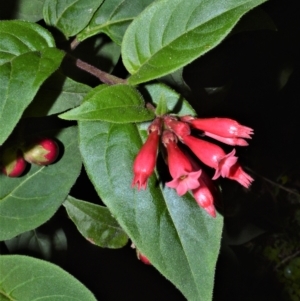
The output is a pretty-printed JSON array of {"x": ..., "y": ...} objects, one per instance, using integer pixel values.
[{"x": 186, "y": 173}]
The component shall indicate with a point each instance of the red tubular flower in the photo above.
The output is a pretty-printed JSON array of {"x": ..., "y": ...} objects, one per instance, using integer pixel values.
[
  {"x": 184, "y": 178},
  {"x": 181, "y": 129},
  {"x": 145, "y": 160},
  {"x": 204, "y": 197},
  {"x": 238, "y": 174},
  {"x": 204, "y": 194},
  {"x": 230, "y": 141},
  {"x": 212, "y": 155},
  {"x": 223, "y": 127}
]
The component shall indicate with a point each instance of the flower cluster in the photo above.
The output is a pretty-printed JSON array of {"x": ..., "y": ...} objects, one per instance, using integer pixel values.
[{"x": 186, "y": 173}]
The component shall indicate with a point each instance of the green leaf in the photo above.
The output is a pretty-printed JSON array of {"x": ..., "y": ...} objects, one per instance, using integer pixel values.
[
  {"x": 175, "y": 103},
  {"x": 180, "y": 239},
  {"x": 27, "y": 279},
  {"x": 113, "y": 18},
  {"x": 20, "y": 80},
  {"x": 70, "y": 16},
  {"x": 96, "y": 223},
  {"x": 99, "y": 51},
  {"x": 117, "y": 103},
  {"x": 161, "y": 108},
  {"x": 257, "y": 19},
  {"x": 58, "y": 93},
  {"x": 43, "y": 244},
  {"x": 170, "y": 34},
  {"x": 29, "y": 10},
  {"x": 176, "y": 81},
  {"x": 27, "y": 59},
  {"x": 29, "y": 201},
  {"x": 19, "y": 37}
]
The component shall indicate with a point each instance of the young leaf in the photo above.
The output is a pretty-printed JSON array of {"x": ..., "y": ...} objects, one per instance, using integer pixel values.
[
  {"x": 70, "y": 16},
  {"x": 58, "y": 93},
  {"x": 161, "y": 108},
  {"x": 27, "y": 59},
  {"x": 117, "y": 103},
  {"x": 96, "y": 223},
  {"x": 113, "y": 18},
  {"x": 29, "y": 201},
  {"x": 170, "y": 34},
  {"x": 175, "y": 103},
  {"x": 175, "y": 234},
  {"x": 25, "y": 278}
]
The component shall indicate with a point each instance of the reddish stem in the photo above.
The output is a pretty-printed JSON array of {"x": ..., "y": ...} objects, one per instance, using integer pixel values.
[{"x": 101, "y": 75}]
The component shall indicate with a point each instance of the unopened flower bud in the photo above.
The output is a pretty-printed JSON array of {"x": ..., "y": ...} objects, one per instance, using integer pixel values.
[
  {"x": 224, "y": 127},
  {"x": 12, "y": 163},
  {"x": 143, "y": 258},
  {"x": 144, "y": 163},
  {"x": 181, "y": 129},
  {"x": 41, "y": 151}
]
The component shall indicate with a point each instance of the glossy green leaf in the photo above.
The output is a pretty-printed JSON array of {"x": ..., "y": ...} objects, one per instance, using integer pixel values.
[
  {"x": 180, "y": 239},
  {"x": 117, "y": 103},
  {"x": 58, "y": 93},
  {"x": 30, "y": 200},
  {"x": 170, "y": 34},
  {"x": 113, "y": 18},
  {"x": 96, "y": 223},
  {"x": 27, "y": 59},
  {"x": 70, "y": 16},
  {"x": 27, "y": 279}
]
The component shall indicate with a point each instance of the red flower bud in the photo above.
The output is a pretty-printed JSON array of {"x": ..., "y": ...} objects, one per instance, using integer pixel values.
[
  {"x": 180, "y": 167},
  {"x": 204, "y": 195},
  {"x": 143, "y": 258},
  {"x": 212, "y": 155},
  {"x": 181, "y": 129},
  {"x": 42, "y": 151},
  {"x": 13, "y": 163},
  {"x": 145, "y": 160},
  {"x": 224, "y": 127},
  {"x": 230, "y": 141}
]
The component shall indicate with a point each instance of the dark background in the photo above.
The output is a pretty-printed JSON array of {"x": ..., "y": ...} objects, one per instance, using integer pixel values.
[{"x": 252, "y": 76}]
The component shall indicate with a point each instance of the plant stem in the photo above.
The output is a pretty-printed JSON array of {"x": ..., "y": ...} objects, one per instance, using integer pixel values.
[
  {"x": 74, "y": 44},
  {"x": 101, "y": 75},
  {"x": 286, "y": 259},
  {"x": 274, "y": 183}
]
